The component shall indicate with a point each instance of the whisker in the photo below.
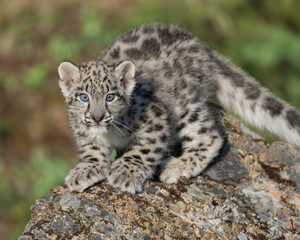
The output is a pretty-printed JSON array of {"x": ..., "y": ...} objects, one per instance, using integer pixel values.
[
  {"x": 118, "y": 129},
  {"x": 117, "y": 122},
  {"x": 63, "y": 124}
]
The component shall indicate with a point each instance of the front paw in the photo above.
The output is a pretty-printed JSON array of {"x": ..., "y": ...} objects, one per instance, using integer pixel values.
[
  {"x": 127, "y": 179},
  {"x": 175, "y": 169},
  {"x": 85, "y": 175}
]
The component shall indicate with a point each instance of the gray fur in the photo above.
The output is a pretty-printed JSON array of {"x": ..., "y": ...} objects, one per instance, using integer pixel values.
[{"x": 161, "y": 78}]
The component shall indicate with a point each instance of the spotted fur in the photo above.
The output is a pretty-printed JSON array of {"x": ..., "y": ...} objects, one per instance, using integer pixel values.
[{"x": 146, "y": 95}]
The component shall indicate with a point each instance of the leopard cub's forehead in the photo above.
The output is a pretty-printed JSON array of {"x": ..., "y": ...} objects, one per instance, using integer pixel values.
[{"x": 97, "y": 77}]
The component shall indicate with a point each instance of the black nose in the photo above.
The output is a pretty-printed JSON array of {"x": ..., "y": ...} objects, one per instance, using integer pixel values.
[{"x": 97, "y": 117}]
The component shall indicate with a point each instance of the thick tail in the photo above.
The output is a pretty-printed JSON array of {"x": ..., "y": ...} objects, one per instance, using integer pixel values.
[{"x": 243, "y": 95}]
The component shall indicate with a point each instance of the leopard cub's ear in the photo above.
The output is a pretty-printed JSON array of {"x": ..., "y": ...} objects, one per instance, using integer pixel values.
[
  {"x": 125, "y": 72},
  {"x": 68, "y": 75}
]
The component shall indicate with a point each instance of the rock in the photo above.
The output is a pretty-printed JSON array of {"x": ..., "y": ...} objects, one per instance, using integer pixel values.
[{"x": 250, "y": 192}]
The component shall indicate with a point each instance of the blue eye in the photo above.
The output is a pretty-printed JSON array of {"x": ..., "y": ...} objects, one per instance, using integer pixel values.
[
  {"x": 84, "y": 97},
  {"x": 110, "y": 97}
]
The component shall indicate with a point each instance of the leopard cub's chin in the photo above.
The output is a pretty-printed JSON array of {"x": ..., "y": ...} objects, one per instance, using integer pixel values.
[{"x": 98, "y": 129}]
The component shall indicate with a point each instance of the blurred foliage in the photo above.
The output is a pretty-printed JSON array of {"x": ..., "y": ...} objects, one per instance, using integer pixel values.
[
  {"x": 35, "y": 76},
  {"x": 36, "y": 148},
  {"x": 31, "y": 179}
]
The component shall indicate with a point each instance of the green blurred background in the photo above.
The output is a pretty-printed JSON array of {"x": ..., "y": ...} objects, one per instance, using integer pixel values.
[{"x": 36, "y": 148}]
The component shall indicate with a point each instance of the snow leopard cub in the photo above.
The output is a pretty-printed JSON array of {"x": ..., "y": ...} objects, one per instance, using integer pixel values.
[{"x": 146, "y": 95}]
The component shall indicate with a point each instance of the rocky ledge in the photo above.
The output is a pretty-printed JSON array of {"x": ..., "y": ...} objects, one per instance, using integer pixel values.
[{"x": 250, "y": 192}]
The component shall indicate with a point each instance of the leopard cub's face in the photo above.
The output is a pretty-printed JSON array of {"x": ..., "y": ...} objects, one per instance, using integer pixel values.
[{"x": 97, "y": 95}]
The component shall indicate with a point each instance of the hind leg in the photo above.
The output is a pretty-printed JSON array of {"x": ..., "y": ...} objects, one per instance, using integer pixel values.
[{"x": 201, "y": 142}]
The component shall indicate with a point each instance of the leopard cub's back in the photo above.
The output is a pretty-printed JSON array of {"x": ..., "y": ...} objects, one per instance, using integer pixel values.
[{"x": 169, "y": 56}]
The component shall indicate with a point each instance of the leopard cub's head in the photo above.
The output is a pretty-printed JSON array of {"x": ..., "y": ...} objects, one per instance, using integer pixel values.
[{"x": 96, "y": 94}]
